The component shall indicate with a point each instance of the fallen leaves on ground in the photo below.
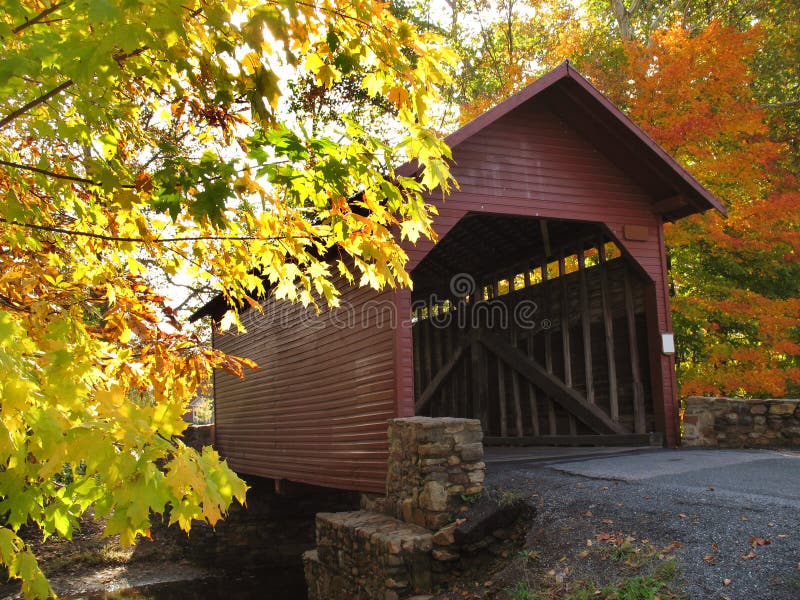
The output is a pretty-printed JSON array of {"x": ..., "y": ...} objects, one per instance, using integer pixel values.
[
  {"x": 672, "y": 547},
  {"x": 759, "y": 541},
  {"x": 614, "y": 539}
]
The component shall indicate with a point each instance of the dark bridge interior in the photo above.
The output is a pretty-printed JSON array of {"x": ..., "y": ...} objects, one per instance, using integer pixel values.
[{"x": 537, "y": 328}]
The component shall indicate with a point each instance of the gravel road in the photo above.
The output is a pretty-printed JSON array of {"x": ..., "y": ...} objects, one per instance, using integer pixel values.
[{"x": 735, "y": 514}]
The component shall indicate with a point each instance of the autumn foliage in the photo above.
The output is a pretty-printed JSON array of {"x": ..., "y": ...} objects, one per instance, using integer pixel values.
[
  {"x": 735, "y": 280},
  {"x": 144, "y": 141}
]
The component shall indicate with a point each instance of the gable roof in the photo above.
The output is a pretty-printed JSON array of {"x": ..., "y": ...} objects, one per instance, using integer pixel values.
[{"x": 676, "y": 192}]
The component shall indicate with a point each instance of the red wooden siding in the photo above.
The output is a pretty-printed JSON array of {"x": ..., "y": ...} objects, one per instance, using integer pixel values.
[
  {"x": 530, "y": 162},
  {"x": 316, "y": 410}
]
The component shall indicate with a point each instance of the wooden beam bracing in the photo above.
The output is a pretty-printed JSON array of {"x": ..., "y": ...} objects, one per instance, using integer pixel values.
[
  {"x": 572, "y": 401},
  {"x": 441, "y": 375}
]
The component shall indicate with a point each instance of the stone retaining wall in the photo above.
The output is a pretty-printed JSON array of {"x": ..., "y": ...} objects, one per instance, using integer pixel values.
[
  {"x": 434, "y": 463},
  {"x": 739, "y": 423},
  {"x": 405, "y": 542},
  {"x": 379, "y": 556}
]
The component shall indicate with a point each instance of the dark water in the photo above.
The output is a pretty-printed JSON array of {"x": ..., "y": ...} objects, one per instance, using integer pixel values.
[
  {"x": 254, "y": 554},
  {"x": 283, "y": 584}
]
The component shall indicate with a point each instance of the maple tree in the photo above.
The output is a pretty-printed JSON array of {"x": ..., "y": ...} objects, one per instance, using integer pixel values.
[
  {"x": 156, "y": 135},
  {"x": 735, "y": 280}
]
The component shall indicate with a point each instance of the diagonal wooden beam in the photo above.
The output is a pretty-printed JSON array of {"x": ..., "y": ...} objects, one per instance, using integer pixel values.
[
  {"x": 441, "y": 375},
  {"x": 571, "y": 400}
]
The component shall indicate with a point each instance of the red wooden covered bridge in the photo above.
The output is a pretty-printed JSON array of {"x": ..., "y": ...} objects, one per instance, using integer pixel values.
[{"x": 543, "y": 310}]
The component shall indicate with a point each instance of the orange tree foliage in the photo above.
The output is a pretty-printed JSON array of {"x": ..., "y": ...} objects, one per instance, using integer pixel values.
[
  {"x": 692, "y": 86},
  {"x": 152, "y": 134},
  {"x": 736, "y": 280}
]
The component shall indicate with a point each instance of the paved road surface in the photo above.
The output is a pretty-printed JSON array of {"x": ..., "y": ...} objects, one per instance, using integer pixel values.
[{"x": 712, "y": 501}]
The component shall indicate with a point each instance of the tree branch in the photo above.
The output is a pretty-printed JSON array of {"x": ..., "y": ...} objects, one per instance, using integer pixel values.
[
  {"x": 780, "y": 104},
  {"x": 623, "y": 17},
  {"x": 8, "y": 303},
  {"x": 37, "y": 18},
  {"x": 75, "y": 178},
  {"x": 156, "y": 240},
  {"x": 662, "y": 14},
  {"x": 36, "y": 102}
]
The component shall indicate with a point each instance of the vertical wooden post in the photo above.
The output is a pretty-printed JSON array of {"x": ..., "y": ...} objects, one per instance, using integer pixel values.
[
  {"x": 639, "y": 415},
  {"x": 425, "y": 352},
  {"x": 586, "y": 327},
  {"x": 449, "y": 389},
  {"x": 608, "y": 324},
  {"x": 532, "y": 396},
  {"x": 437, "y": 360},
  {"x": 565, "y": 344},
  {"x": 476, "y": 383},
  {"x": 501, "y": 392},
  {"x": 466, "y": 366},
  {"x": 480, "y": 376},
  {"x": 501, "y": 376},
  {"x": 531, "y": 390},
  {"x": 545, "y": 231},
  {"x": 416, "y": 351},
  {"x": 562, "y": 271},
  {"x": 515, "y": 394}
]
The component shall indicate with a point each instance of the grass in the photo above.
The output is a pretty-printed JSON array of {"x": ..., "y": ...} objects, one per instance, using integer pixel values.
[
  {"x": 523, "y": 591},
  {"x": 505, "y": 497},
  {"x": 108, "y": 554},
  {"x": 655, "y": 586},
  {"x": 644, "y": 574}
]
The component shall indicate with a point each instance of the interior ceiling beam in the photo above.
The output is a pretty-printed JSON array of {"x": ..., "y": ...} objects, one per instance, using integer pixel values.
[
  {"x": 523, "y": 261},
  {"x": 571, "y": 400},
  {"x": 523, "y": 243}
]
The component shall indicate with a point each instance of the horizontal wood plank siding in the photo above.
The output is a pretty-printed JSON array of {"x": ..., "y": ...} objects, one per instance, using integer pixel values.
[{"x": 316, "y": 409}]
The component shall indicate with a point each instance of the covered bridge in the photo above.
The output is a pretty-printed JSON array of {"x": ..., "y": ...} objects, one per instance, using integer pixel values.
[{"x": 543, "y": 310}]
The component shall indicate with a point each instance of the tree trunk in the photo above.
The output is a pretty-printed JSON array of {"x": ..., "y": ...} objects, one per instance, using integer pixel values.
[{"x": 623, "y": 17}]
